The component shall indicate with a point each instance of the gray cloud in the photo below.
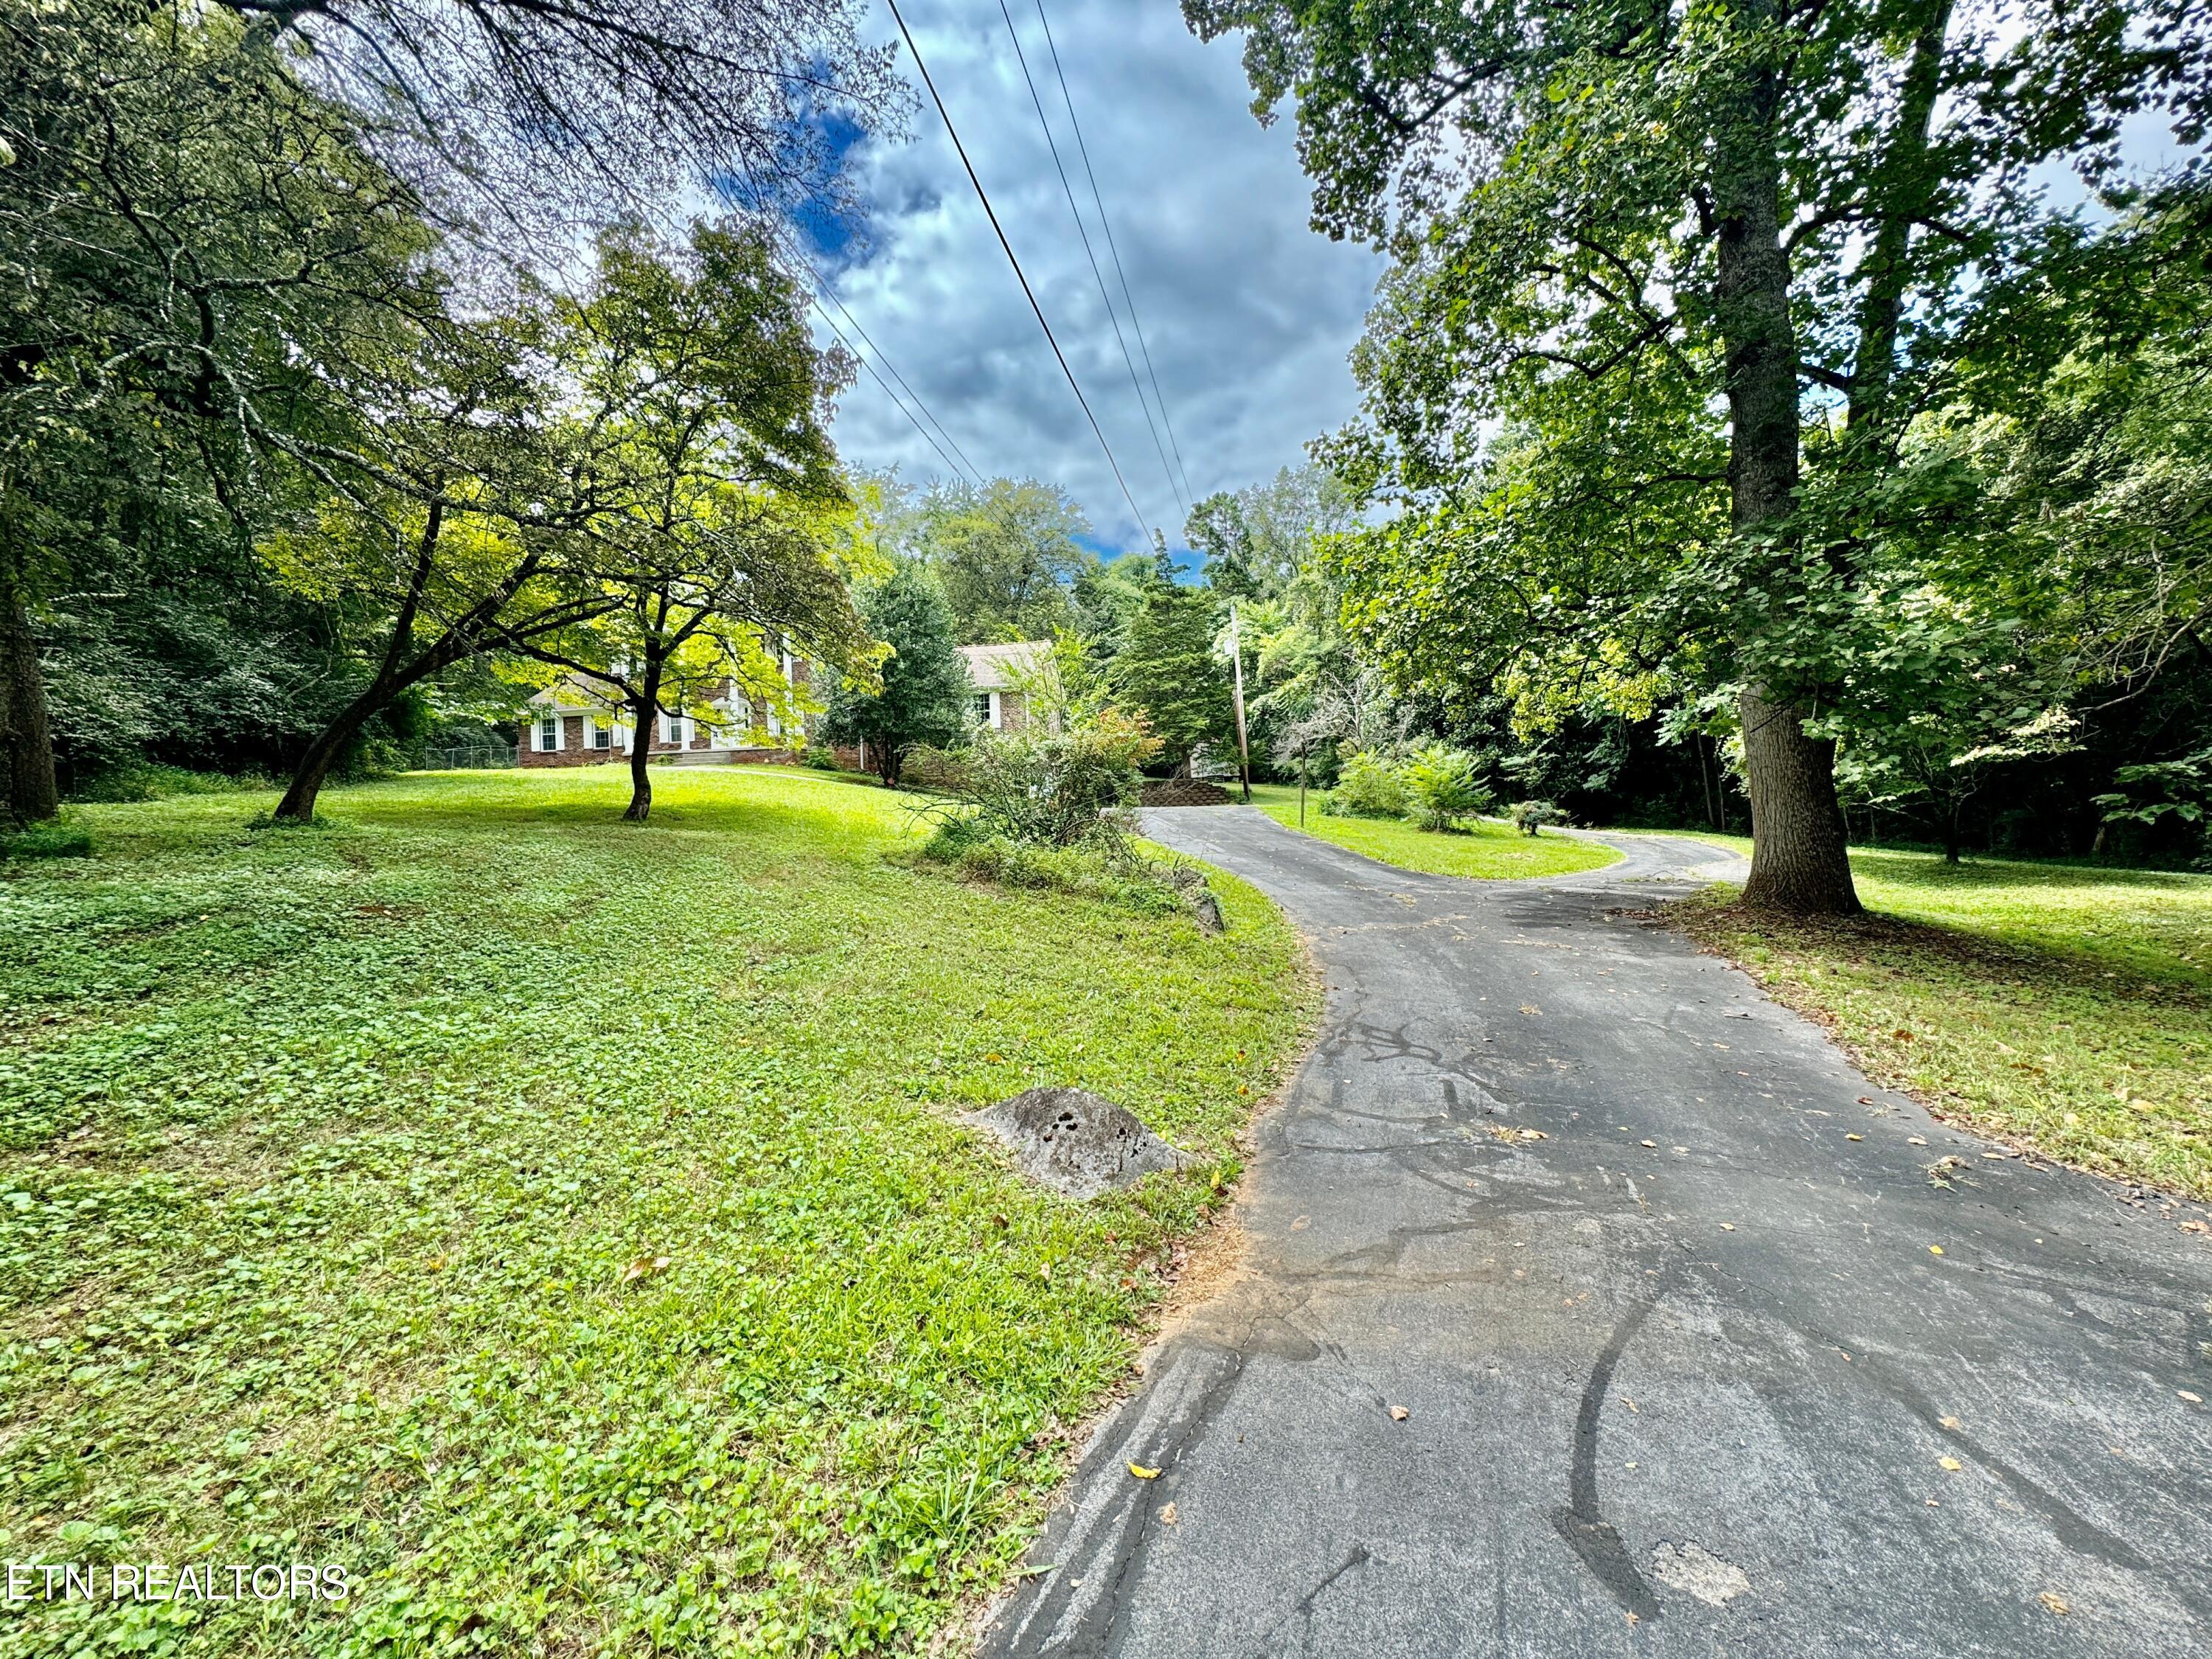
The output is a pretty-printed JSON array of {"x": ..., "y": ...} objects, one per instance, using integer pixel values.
[{"x": 1248, "y": 313}]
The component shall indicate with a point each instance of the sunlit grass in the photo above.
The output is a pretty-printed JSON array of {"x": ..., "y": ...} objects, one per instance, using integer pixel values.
[
  {"x": 1483, "y": 850},
  {"x": 564, "y": 1224}
]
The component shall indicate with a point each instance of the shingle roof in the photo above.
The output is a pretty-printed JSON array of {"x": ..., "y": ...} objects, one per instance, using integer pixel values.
[{"x": 989, "y": 665}]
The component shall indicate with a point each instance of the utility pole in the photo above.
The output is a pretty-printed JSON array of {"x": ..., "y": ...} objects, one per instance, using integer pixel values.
[{"x": 1236, "y": 667}]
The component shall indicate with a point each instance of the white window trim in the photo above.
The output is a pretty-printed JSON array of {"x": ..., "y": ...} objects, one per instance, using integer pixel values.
[
  {"x": 672, "y": 730},
  {"x": 997, "y": 713},
  {"x": 540, "y": 740}
]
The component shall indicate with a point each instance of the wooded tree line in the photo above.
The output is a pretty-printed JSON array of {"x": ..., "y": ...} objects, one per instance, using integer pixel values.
[
  {"x": 344, "y": 354},
  {"x": 1813, "y": 377}
]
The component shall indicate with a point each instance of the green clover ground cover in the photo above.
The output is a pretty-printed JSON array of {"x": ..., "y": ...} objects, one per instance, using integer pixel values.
[
  {"x": 2065, "y": 1008},
  {"x": 1484, "y": 850},
  {"x": 338, "y": 1166}
]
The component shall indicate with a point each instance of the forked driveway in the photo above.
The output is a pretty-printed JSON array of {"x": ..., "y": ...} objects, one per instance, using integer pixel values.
[{"x": 1695, "y": 1357}]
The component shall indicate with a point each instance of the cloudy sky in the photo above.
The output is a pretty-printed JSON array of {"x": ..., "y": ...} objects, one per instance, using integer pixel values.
[{"x": 1248, "y": 314}]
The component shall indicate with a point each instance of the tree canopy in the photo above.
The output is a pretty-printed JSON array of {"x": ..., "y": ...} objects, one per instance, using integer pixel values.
[{"x": 1676, "y": 297}]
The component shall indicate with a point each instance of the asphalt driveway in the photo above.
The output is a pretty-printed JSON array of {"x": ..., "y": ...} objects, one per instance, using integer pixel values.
[{"x": 1693, "y": 1353}]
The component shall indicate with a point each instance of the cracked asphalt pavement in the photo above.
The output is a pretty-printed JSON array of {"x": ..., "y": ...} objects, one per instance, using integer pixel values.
[{"x": 1693, "y": 1355}]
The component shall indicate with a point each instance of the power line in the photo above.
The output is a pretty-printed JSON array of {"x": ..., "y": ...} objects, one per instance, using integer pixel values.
[
  {"x": 1020, "y": 274},
  {"x": 1068, "y": 190},
  {"x": 865, "y": 363},
  {"x": 822, "y": 284},
  {"x": 1128, "y": 298}
]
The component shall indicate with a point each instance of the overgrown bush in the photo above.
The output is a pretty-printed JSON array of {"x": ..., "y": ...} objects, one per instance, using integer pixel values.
[
  {"x": 1044, "y": 809},
  {"x": 1370, "y": 787},
  {"x": 1053, "y": 788},
  {"x": 1107, "y": 870},
  {"x": 821, "y": 758},
  {"x": 1530, "y": 816},
  {"x": 1442, "y": 785},
  {"x": 136, "y": 781}
]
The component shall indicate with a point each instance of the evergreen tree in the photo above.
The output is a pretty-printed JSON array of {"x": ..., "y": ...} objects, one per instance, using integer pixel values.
[
  {"x": 925, "y": 694},
  {"x": 1166, "y": 669}
]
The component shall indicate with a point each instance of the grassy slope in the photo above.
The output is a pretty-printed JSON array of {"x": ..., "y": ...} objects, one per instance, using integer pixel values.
[
  {"x": 1486, "y": 851},
  {"x": 2065, "y": 1008},
  {"x": 323, "y": 1153}
]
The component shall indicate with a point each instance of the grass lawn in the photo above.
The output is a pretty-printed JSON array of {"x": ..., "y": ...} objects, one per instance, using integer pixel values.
[
  {"x": 1485, "y": 851},
  {"x": 562, "y": 1224},
  {"x": 2061, "y": 1007}
]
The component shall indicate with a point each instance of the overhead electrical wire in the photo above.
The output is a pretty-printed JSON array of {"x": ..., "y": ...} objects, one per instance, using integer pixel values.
[
  {"x": 1021, "y": 276},
  {"x": 864, "y": 362},
  {"x": 1068, "y": 190},
  {"x": 1114, "y": 248},
  {"x": 825, "y": 291}
]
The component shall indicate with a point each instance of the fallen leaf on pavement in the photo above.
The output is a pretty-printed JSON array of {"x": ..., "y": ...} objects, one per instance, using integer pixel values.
[
  {"x": 1143, "y": 1473},
  {"x": 1951, "y": 1463},
  {"x": 1950, "y": 1422},
  {"x": 1935, "y": 1249},
  {"x": 1168, "y": 1513},
  {"x": 1916, "y": 1140},
  {"x": 1854, "y": 1136},
  {"x": 2193, "y": 1398},
  {"x": 1399, "y": 1413},
  {"x": 1728, "y": 1226},
  {"x": 2056, "y": 1603}
]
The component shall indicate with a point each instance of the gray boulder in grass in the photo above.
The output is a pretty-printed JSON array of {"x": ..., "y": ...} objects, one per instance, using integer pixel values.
[{"x": 1075, "y": 1142}]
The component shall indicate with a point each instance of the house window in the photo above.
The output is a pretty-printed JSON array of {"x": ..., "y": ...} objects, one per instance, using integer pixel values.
[
  {"x": 984, "y": 709},
  {"x": 673, "y": 728},
  {"x": 548, "y": 733},
  {"x": 602, "y": 735}
]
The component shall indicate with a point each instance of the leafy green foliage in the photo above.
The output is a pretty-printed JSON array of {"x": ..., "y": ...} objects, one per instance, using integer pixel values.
[
  {"x": 1105, "y": 868},
  {"x": 1050, "y": 788},
  {"x": 1444, "y": 785},
  {"x": 340, "y": 1167},
  {"x": 1165, "y": 669},
  {"x": 1530, "y": 816},
  {"x": 1369, "y": 786},
  {"x": 1005, "y": 554},
  {"x": 1662, "y": 397},
  {"x": 924, "y": 692},
  {"x": 55, "y": 838}
]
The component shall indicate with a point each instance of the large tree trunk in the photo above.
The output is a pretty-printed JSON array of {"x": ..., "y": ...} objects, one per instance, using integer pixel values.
[
  {"x": 642, "y": 724},
  {"x": 1798, "y": 862},
  {"x": 26, "y": 750},
  {"x": 1797, "y": 849},
  {"x": 329, "y": 747}
]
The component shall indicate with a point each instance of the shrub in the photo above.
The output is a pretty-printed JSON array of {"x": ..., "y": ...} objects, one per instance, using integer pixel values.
[
  {"x": 52, "y": 840},
  {"x": 1109, "y": 870},
  {"x": 1053, "y": 788},
  {"x": 1530, "y": 816},
  {"x": 1442, "y": 786},
  {"x": 1370, "y": 787},
  {"x": 143, "y": 779},
  {"x": 821, "y": 758}
]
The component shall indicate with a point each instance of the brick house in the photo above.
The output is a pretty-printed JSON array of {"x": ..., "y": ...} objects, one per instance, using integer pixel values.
[
  {"x": 573, "y": 722},
  {"x": 994, "y": 671}
]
